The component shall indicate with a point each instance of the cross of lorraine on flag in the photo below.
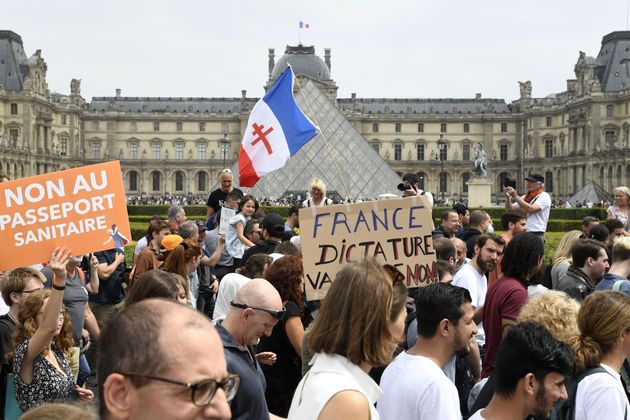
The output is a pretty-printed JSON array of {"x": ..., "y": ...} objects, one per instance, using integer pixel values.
[{"x": 276, "y": 129}]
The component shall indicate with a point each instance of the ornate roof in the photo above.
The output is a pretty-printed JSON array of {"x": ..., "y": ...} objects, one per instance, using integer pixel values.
[{"x": 304, "y": 63}]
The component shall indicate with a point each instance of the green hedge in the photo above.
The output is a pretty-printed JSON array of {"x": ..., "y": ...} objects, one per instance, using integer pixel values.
[{"x": 201, "y": 211}]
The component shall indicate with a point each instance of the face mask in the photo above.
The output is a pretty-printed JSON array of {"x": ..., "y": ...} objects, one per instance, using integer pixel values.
[{"x": 490, "y": 229}]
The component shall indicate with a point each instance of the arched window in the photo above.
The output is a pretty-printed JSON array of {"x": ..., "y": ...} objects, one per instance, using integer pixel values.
[
  {"x": 133, "y": 181},
  {"x": 549, "y": 181},
  {"x": 156, "y": 181},
  {"x": 179, "y": 181},
  {"x": 202, "y": 179},
  {"x": 465, "y": 179},
  {"x": 443, "y": 181},
  {"x": 423, "y": 178}
]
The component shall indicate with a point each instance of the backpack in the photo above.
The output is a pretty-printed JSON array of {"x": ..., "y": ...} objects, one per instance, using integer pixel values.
[
  {"x": 565, "y": 410},
  {"x": 618, "y": 284}
]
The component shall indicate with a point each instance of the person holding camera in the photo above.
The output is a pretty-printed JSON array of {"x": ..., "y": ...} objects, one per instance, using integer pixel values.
[
  {"x": 535, "y": 205},
  {"x": 410, "y": 187}
]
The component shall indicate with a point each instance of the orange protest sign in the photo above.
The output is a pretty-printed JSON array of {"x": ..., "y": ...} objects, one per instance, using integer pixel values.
[{"x": 83, "y": 209}]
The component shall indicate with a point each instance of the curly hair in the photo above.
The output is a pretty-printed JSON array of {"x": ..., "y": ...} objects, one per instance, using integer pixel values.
[
  {"x": 556, "y": 311},
  {"x": 27, "y": 325},
  {"x": 285, "y": 275}
]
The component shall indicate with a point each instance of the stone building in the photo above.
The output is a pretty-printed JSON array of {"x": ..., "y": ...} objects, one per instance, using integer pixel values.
[{"x": 178, "y": 145}]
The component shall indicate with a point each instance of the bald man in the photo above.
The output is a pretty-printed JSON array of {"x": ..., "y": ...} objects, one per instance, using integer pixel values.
[
  {"x": 150, "y": 352},
  {"x": 461, "y": 248},
  {"x": 255, "y": 310}
]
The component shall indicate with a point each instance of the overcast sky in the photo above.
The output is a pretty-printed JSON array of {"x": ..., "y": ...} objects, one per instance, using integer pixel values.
[{"x": 380, "y": 48}]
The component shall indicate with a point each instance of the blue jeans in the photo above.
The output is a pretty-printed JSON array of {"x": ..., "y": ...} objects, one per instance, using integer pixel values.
[{"x": 84, "y": 370}]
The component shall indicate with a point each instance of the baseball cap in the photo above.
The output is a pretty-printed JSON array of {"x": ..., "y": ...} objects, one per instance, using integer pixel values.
[
  {"x": 535, "y": 178},
  {"x": 170, "y": 242},
  {"x": 274, "y": 224},
  {"x": 201, "y": 226}
]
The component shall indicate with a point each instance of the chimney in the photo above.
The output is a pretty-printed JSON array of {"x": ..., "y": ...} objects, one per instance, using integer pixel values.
[
  {"x": 272, "y": 61},
  {"x": 327, "y": 57},
  {"x": 243, "y": 94},
  {"x": 118, "y": 92},
  {"x": 353, "y": 95},
  {"x": 477, "y": 95}
]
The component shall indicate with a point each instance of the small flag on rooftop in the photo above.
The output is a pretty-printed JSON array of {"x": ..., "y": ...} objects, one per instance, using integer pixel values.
[{"x": 304, "y": 25}]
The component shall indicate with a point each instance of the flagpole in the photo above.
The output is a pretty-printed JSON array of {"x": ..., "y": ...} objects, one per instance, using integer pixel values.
[{"x": 326, "y": 145}]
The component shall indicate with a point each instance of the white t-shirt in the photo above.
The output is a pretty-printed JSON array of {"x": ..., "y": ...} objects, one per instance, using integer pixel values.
[
  {"x": 140, "y": 245},
  {"x": 477, "y": 284},
  {"x": 477, "y": 415},
  {"x": 601, "y": 396},
  {"x": 414, "y": 387},
  {"x": 537, "y": 222}
]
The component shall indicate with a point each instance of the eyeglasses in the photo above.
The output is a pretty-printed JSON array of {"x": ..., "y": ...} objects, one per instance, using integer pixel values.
[
  {"x": 226, "y": 171},
  {"x": 276, "y": 314},
  {"x": 202, "y": 392}
]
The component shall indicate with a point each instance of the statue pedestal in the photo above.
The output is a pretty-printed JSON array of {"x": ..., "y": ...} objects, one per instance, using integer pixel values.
[{"x": 479, "y": 192}]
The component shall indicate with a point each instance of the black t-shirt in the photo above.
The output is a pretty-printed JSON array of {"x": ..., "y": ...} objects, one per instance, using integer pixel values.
[
  {"x": 217, "y": 197},
  {"x": 286, "y": 373},
  {"x": 110, "y": 290},
  {"x": 262, "y": 247},
  {"x": 7, "y": 327}
]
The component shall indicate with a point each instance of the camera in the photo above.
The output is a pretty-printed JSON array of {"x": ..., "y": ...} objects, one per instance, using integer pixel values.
[
  {"x": 403, "y": 186},
  {"x": 509, "y": 183}
]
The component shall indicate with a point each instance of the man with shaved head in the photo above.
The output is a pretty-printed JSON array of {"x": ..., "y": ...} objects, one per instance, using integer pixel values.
[
  {"x": 461, "y": 248},
  {"x": 159, "y": 359},
  {"x": 255, "y": 310}
]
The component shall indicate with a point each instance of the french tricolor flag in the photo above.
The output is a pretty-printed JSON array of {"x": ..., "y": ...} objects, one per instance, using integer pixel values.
[
  {"x": 304, "y": 25},
  {"x": 276, "y": 129}
]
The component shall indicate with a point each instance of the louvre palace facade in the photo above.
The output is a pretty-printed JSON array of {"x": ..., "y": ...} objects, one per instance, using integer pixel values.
[{"x": 178, "y": 145}]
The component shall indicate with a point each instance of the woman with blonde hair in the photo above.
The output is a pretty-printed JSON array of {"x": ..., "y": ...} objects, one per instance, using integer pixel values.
[
  {"x": 317, "y": 195},
  {"x": 353, "y": 332},
  {"x": 600, "y": 350},
  {"x": 561, "y": 260},
  {"x": 556, "y": 311},
  {"x": 619, "y": 210},
  {"x": 43, "y": 342}
]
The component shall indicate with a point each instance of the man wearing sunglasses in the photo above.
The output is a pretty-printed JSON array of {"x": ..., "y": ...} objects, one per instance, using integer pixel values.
[
  {"x": 162, "y": 360},
  {"x": 255, "y": 310}
]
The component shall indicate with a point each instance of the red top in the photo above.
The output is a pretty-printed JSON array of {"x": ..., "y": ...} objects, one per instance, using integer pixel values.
[{"x": 504, "y": 300}]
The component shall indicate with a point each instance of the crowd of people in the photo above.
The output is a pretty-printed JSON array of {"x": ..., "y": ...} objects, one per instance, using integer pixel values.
[{"x": 210, "y": 319}]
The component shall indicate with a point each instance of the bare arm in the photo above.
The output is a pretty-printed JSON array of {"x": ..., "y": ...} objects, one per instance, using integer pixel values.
[
  {"x": 50, "y": 318},
  {"x": 473, "y": 359},
  {"x": 241, "y": 237},
  {"x": 90, "y": 323},
  {"x": 106, "y": 270},
  {"x": 350, "y": 405},
  {"x": 216, "y": 255},
  {"x": 506, "y": 324},
  {"x": 209, "y": 213},
  {"x": 295, "y": 331},
  {"x": 478, "y": 315},
  {"x": 523, "y": 205},
  {"x": 94, "y": 283}
]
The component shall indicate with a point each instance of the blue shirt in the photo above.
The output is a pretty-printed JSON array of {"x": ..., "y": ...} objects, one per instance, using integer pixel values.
[{"x": 609, "y": 280}]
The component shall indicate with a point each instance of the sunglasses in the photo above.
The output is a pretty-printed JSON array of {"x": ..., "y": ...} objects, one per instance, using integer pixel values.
[
  {"x": 226, "y": 171},
  {"x": 395, "y": 274},
  {"x": 276, "y": 314}
]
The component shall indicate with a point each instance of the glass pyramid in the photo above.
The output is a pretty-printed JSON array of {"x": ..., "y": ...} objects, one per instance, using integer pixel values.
[{"x": 365, "y": 174}]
